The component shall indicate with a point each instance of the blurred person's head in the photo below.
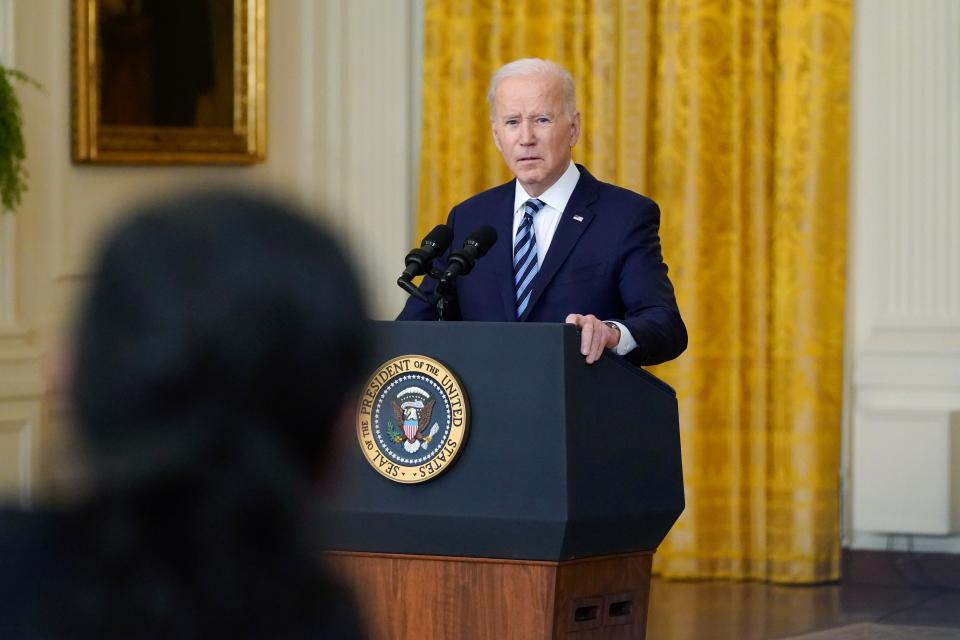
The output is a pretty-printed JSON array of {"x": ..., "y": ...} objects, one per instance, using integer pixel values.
[
  {"x": 220, "y": 339},
  {"x": 211, "y": 320}
]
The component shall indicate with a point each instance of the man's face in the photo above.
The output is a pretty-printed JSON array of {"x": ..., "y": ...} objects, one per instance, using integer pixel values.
[{"x": 532, "y": 130}]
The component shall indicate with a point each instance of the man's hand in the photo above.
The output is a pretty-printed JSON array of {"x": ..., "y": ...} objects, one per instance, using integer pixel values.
[{"x": 595, "y": 336}]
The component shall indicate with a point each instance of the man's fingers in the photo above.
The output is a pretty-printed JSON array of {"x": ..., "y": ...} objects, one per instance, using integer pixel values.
[
  {"x": 593, "y": 335},
  {"x": 599, "y": 340},
  {"x": 586, "y": 336},
  {"x": 596, "y": 345},
  {"x": 586, "y": 331},
  {"x": 593, "y": 348}
]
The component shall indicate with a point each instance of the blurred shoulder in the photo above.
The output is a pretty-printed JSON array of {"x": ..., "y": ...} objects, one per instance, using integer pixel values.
[
  {"x": 25, "y": 533},
  {"x": 31, "y": 564}
]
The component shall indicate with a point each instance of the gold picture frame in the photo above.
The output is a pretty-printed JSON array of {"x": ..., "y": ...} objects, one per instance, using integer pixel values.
[{"x": 169, "y": 81}]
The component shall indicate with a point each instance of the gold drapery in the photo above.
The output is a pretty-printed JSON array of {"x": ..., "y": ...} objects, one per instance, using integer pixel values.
[{"x": 733, "y": 115}]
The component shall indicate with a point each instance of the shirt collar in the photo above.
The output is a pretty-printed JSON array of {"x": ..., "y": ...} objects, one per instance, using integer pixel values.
[{"x": 557, "y": 196}]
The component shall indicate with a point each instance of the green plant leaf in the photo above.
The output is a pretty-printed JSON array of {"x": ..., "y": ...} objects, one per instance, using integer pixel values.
[{"x": 13, "y": 175}]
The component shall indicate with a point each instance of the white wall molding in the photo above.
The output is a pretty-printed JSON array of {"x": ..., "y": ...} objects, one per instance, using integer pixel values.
[
  {"x": 896, "y": 542},
  {"x": 904, "y": 382},
  {"x": 19, "y": 368},
  {"x": 18, "y": 452},
  {"x": 903, "y": 459}
]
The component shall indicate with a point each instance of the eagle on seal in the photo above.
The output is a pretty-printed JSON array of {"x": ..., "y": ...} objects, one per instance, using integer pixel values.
[{"x": 415, "y": 418}]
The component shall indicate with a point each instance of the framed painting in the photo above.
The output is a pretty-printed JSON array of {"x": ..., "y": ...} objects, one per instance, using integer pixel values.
[{"x": 169, "y": 81}]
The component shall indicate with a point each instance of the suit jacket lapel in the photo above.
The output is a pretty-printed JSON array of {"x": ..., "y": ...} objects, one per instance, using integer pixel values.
[
  {"x": 501, "y": 254},
  {"x": 565, "y": 238}
]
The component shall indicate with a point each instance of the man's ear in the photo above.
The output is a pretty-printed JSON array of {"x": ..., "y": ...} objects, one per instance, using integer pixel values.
[
  {"x": 574, "y": 129},
  {"x": 496, "y": 137}
]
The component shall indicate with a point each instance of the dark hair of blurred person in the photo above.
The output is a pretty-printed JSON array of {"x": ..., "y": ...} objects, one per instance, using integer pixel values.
[{"x": 219, "y": 340}]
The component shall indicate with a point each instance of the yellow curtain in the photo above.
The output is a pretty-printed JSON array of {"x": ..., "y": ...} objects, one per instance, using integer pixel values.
[{"x": 733, "y": 115}]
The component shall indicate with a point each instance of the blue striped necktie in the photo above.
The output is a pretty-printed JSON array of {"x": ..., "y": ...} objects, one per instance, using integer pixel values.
[{"x": 525, "y": 256}]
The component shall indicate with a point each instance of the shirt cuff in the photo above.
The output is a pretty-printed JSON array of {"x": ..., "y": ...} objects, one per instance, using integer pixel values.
[{"x": 627, "y": 343}]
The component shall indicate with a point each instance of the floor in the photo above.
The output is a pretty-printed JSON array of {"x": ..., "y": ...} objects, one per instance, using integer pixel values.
[{"x": 752, "y": 611}]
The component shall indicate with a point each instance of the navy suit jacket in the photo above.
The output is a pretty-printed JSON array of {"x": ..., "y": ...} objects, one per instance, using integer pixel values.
[{"x": 604, "y": 259}]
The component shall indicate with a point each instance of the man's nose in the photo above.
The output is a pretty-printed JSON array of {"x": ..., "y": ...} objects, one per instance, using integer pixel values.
[{"x": 527, "y": 136}]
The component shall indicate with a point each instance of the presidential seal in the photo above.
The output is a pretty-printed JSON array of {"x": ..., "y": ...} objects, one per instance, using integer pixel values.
[{"x": 412, "y": 419}]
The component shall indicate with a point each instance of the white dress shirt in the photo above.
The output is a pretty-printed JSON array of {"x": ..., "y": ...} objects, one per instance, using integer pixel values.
[{"x": 555, "y": 200}]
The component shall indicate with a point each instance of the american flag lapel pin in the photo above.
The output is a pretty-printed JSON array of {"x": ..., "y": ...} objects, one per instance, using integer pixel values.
[{"x": 578, "y": 218}]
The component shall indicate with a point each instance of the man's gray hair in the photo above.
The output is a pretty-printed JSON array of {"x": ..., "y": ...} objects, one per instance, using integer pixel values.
[{"x": 529, "y": 67}]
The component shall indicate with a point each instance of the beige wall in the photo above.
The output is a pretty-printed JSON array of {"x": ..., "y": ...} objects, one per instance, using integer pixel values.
[
  {"x": 342, "y": 88},
  {"x": 902, "y": 442}
]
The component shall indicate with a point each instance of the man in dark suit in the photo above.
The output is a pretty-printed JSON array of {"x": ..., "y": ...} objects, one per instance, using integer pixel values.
[{"x": 570, "y": 248}]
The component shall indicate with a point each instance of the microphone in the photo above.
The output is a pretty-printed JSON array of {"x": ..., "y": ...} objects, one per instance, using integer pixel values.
[
  {"x": 418, "y": 261},
  {"x": 474, "y": 247}
]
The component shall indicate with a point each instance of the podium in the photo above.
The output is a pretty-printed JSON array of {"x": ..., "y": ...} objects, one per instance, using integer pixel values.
[{"x": 545, "y": 525}]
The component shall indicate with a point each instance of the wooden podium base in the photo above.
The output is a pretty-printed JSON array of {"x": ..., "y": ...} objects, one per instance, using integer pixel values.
[{"x": 406, "y": 597}]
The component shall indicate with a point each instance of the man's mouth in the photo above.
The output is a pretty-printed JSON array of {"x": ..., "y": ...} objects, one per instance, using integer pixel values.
[{"x": 528, "y": 158}]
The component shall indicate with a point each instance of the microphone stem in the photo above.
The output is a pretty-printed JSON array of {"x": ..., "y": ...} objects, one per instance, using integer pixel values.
[
  {"x": 408, "y": 286},
  {"x": 441, "y": 298}
]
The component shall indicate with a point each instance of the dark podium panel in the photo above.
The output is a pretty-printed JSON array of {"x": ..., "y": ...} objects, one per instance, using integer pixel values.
[{"x": 563, "y": 460}]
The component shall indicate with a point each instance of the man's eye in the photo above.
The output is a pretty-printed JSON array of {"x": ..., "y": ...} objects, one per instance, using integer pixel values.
[
  {"x": 543, "y": 120},
  {"x": 511, "y": 123}
]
